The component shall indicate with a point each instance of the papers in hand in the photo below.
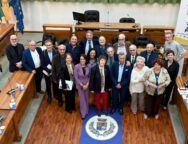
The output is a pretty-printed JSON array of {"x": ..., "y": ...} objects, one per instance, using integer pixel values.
[
  {"x": 69, "y": 85},
  {"x": 46, "y": 73}
]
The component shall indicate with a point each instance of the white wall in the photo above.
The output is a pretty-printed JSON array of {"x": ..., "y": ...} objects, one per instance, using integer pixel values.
[{"x": 37, "y": 13}]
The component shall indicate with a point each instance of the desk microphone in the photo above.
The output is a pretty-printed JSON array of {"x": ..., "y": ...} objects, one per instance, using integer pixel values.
[{"x": 12, "y": 90}]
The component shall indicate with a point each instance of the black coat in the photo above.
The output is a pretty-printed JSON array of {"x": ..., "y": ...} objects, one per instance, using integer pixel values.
[
  {"x": 58, "y": 63},
  {"x": 13, "y": 57},
  {"x": 95, "y": 79},
  {"x": 45, "y": 60},
  {"x": 83, "y": 45},
  {"x": 172, "y": 69},
  {"x": 75, "y": 52}
]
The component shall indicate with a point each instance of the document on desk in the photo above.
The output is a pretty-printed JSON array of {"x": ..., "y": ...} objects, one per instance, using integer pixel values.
[{"x": 69, "y": 85}]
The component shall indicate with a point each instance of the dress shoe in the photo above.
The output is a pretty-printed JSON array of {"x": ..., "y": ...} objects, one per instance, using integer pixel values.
[
  {"x": 99, "y": 113},
  {"x": 121, "y": 111},
  {"x": 112, "y": 111}
]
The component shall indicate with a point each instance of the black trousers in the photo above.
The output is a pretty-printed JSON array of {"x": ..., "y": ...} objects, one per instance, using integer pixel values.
[
  {"x": 38, "y": 78},
  {"x": 49, "y": 82},
  {"x": 167, "y": 93},
  {"x": 152, "y": 104},
  {"x": 70, "y": 100}
]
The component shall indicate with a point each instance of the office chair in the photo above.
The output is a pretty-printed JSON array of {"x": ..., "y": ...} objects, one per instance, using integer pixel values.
[
  {"x": 47, "y": 36},
  {"x": 91, "y": 16},
  {"x": 127, "y": 20},
  {"x": 141, "y": 41}
]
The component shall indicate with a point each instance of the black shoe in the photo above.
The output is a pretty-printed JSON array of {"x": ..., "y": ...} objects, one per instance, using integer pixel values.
[
  {"x": 49, "y": 100},
  {"x": 121, "y": 111},
  {"x": 60, "y": 104},
  {"x": 112, "y": 111},
  {"x": 99, "y": 113}
]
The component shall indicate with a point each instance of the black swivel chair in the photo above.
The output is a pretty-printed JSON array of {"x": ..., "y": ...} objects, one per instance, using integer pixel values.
[
  {"x": 127, "y": 20},
  {"x": 141, "y": 41},
  {"x": 47, "y": 36},
  {"x": 91, "y": 16}
]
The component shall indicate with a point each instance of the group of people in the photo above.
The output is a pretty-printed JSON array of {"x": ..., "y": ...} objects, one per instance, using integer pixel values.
[{"x": 112, "y": 73}]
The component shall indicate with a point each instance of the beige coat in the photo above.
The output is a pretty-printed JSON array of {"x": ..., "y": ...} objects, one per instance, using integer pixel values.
[{"x": 164, "y": 80}]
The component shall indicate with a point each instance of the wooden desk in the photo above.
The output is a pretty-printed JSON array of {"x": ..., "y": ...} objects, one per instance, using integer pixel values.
[
  {"x": 5, "y": 31},
  {"x": 186, "y": 63},
  {"x": 110, "y": 26},
  {"x": 182, "y": 107},
  {"x": 22, "y": 98},
  {"x": 61, "y": 31},
  {"x": 64, "y": 31},
  {"x": 11, "y": 131},
  {"x": 157, "y": 33}
]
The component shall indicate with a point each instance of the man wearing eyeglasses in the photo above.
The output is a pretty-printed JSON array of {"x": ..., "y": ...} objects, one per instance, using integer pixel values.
[
  {"x": 121, "y": 46},
  {"x": 14, "y": 52},
  {"x": 131, "y": 58},
  {"x": 58, "y": 63}
]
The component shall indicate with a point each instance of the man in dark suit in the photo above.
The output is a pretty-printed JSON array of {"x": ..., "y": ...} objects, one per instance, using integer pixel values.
[
  {"x": 14, "y": 52},
  {"x": 74, "y": 49},
  {"x": 149, "y": 54},
  {"x": 120, "y": 75},
  {"x": 131, "y": 58},
  {"x": 88, "y": 43},
  {"x": 111, "y": 56},
  {"x": 46, "y": 61},
  {"x": 58, "y": 64},
  {"x": 31, "y": 61}
]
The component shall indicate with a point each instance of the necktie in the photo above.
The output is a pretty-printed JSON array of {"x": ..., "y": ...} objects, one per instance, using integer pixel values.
[
  {"x": 89, "y": 45},
  {"x": 133, "y": 59}
]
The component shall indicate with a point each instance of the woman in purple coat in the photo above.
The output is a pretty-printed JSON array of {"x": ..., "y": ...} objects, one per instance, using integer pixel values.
[{"x": 82, "y": 76}]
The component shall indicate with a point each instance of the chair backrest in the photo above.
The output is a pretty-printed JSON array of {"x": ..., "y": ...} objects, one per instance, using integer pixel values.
[
  {"x": 48, "y": 36},
  {"x": 127, "y": 20},
  {"x": 91, "y": 16},
  {"x": 141, "y": 41}
]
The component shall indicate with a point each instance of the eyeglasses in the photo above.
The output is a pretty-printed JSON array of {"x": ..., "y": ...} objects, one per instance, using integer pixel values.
[
  {"x": 132, "y": 50},
  {"x": 121, "y": 39},
  {"x": 13, "y": 39}
]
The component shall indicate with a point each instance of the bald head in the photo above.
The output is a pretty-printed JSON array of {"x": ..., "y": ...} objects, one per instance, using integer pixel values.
[
  {"x": 61, "y": 49},
  {"x": 121, "y": 39},
  {"x": 102, "y": 40}
]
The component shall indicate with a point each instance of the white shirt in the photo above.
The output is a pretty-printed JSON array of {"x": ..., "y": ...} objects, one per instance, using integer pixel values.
[
  {"x": 36, "y": 58},
  {"x": 102, "y": 71},
  {"x": 136, "y": 86},
  {"x": 120, "y": 72},
  {"x": 121, "y": 49},
  {"x": 87, "y": 46}
]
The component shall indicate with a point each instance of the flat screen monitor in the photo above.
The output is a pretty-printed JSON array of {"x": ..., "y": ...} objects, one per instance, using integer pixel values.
[{"x": 79, "y": 17}]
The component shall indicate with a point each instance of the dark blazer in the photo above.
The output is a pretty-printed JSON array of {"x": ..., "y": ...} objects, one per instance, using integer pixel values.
[
  {"x": 128, "y": 58},
  {"x": 64, "y": 75},
  {"x": 27, "y": 59},
  {"x": 115, "y": 59},
  {"x": 172, "y": 69},
  {"x": 151, "y": 58},
  {"x": 45, "y": 60},
  {"x": 83, "y": 45},
  {"x": 101, "y": 51},
  {"x": 75, "y": 52},
  {"x": 95, "y": 79},
  {"x": 125, "y": 77},
  {"x": 13, "y": 57},
  {"x": 58, "y": 62}
]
